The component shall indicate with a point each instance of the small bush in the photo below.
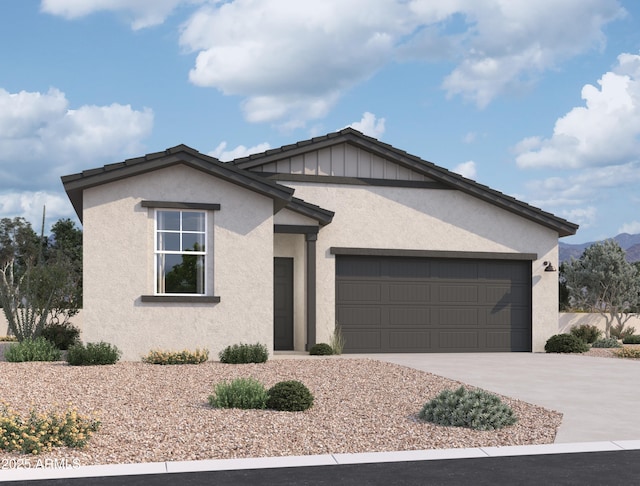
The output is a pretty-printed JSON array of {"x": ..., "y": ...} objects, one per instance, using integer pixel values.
[
  {"x": 619, "y": 331},
  {"x": 587, "y": 332},
  {"x": 565, "y": 343},
  {"x": 38, "y": 349},
  {"x": 176, "y": 357},
  {"x": 244, "y": 353},
  {"x": 42, "y": 432},
  {"x": 8, "y": 338},
  {"x": 628, "y": 353},
  {"x": 606, "y": 343},
  {"x": 633, "y": 339},
  {"x": 337, "y": 340},
  {"x": 61, "y": 335},
  {"x": 475, "y": 409},
  {"x": 289, "y": 396},
  {"x": 321, "y": 349},
  {"x": 93, "y": 354},
  {"x": 243, "y": 393}
]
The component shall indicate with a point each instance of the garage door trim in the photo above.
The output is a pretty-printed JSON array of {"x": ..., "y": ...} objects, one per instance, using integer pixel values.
[{"x": 475, "y": 255}]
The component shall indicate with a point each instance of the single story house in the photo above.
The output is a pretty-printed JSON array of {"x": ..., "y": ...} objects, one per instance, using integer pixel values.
[{"x": 184, "y": 251}]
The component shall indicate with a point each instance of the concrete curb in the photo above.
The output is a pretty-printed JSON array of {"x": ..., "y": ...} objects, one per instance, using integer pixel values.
[{"x": 36, "y": 473}]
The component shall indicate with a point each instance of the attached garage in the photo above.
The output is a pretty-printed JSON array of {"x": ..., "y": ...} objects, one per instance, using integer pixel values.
[{"x": 394, "y": 304}]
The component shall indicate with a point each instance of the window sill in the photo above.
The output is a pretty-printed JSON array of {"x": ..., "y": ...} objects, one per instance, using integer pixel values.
[{"x": 184, "y": 299}]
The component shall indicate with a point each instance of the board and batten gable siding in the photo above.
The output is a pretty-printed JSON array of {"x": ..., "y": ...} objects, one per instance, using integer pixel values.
[
  {"x": 119, "y": 266},
  {"x": 424, "y": 219},
  {"x": 342, "y": 160}
]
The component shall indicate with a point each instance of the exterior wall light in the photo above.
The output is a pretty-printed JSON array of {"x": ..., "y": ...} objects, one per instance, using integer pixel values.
[{"x": 548, "y": 267}]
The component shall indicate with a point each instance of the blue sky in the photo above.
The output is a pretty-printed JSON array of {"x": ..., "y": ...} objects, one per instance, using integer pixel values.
[{"x": 539, "y": 100}]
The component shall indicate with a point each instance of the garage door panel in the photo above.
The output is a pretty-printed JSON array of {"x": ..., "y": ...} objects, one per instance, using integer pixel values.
[
  {"x": 467, "y": 340},
  {"x": 400, "y": 341},
  {"x": 363, "y": 341},
  {"x": 359, "y": 291},
  {"x": 409, "y": 292},
  {"x": 358, "y": 316},
  {"x": 449, "y": 293},
  {"x": 409, "y": 316},
  {"x": 433, "y": 305}
]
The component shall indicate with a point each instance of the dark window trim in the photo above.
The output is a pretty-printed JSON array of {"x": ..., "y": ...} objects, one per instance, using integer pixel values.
[
  {"x": 358, "y": 181},
  {"x": 180, "y": 205},
  {"x": 183, "y": 299},
  {"x": 295, "y": 229},
  {"x": 476, "y": 255}
]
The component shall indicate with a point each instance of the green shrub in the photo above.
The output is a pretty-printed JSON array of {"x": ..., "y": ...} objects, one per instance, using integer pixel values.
[
  {"x": 93, "y": 354},
  {"x": 321, "y": 349},
  {"x": 42, "y": 432},
  {"x": 633, "y": 339},
  {"x": 243, "y": 393},
  {"x": 289, "y": 396},
  {"x": 587, "y": 332},
  {"x": 61, "y": 335},
  {"x": 38, "y": 349},
  {"x": 475, "y": 409},
  {"x": 619, "y": 331},
  {"x": 244, "y": 353},
  {"x": 628, "y": 353},
  {"x": 606, "y": 343},
  {"x": 176, "y": 357},
  {"x": 565, "y": 343}
]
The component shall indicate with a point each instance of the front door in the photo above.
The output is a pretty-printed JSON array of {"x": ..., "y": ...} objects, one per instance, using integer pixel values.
[{"x": 282, "y": 304}]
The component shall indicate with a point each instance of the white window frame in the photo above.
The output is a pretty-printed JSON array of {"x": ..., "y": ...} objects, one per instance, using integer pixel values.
[{"x": 204, "y": 254}]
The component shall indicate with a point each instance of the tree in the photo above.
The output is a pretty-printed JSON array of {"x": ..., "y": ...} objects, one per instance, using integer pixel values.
[
  {"x": 40, "y": 278},
  {"x": 602, "y": 281},
  {"x": 23, "y": 296}
]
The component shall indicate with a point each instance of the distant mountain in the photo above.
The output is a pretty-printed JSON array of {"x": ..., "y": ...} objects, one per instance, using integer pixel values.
[{"x": 629, "y": 243}]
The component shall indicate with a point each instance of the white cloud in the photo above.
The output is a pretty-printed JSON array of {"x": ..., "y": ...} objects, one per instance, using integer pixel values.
[
  {"x": 240, "y": 151},
  {"x": 41, "y": 138},
  {"x": 290, "y": 61},
  {"x": 29, "y": 205},
  {"x": 604, "y": 132},
  {"x": 470, "y": 137},
  {"x": 370, "y": 125},
  {"x": 466, "y": 169},
  {"x": 631, "y": 228},
  {"x": 141, "y": 13}
]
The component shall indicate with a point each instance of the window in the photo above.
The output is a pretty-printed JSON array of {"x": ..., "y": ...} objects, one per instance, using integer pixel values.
[{"x": 180, "y": 252}]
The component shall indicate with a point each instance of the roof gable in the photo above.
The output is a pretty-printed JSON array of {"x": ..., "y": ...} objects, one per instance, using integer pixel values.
[
  {"x": 369, "y": 160},
  {"x": 75, "y": 184}
]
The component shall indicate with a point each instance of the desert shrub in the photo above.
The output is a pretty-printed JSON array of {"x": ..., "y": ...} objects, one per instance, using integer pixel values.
[
  {"x": 38, "y": 349},
  {"x": 619, "y": 331},
  {"x": 321, "y": 349},
  {"x": 606, "y": 343},
  {"x": 587, "y": 332},
  {"x": 176, "y": 357},
  {"x": 289, "y": 396},
  {"x": 628, "y": 353},
  {"x": 244, "y": 353},
  {"x": 93, "y": 354},
  {"x": 62, "y": 335},
  {"x": 565, "y": 343},
  {"x": 243, "y": 393},
  {"x": 43, "y": 431},
  {"x": 633, "y": 339},
  {"x": 8, "y": 339},
  {"x": 475, "y": 409},
  {"x": 337, "y": 340}
]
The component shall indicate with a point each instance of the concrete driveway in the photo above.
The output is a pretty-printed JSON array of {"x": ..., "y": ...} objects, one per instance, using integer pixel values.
[{"x": 598, "y": 397}]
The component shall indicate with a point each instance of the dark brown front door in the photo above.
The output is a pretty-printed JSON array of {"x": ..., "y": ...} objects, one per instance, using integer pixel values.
[{"x": 282, "y": 304}]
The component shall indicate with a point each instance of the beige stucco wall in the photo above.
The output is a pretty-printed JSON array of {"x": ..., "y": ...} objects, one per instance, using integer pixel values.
[
  {"x": 118, "y": 266},
  {"x": 419, "y": 219}
]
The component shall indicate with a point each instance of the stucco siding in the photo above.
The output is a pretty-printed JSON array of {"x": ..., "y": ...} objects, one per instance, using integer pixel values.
[
  {"x": 119, "y": 266},
  {"x": 418, "y": 219}
]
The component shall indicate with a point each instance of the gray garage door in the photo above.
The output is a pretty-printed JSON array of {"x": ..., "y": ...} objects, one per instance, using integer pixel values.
[{"x": 397, "y": 304}]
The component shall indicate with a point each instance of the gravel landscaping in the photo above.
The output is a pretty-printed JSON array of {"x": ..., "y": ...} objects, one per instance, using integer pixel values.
[{"x": 160, "y": 413}]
